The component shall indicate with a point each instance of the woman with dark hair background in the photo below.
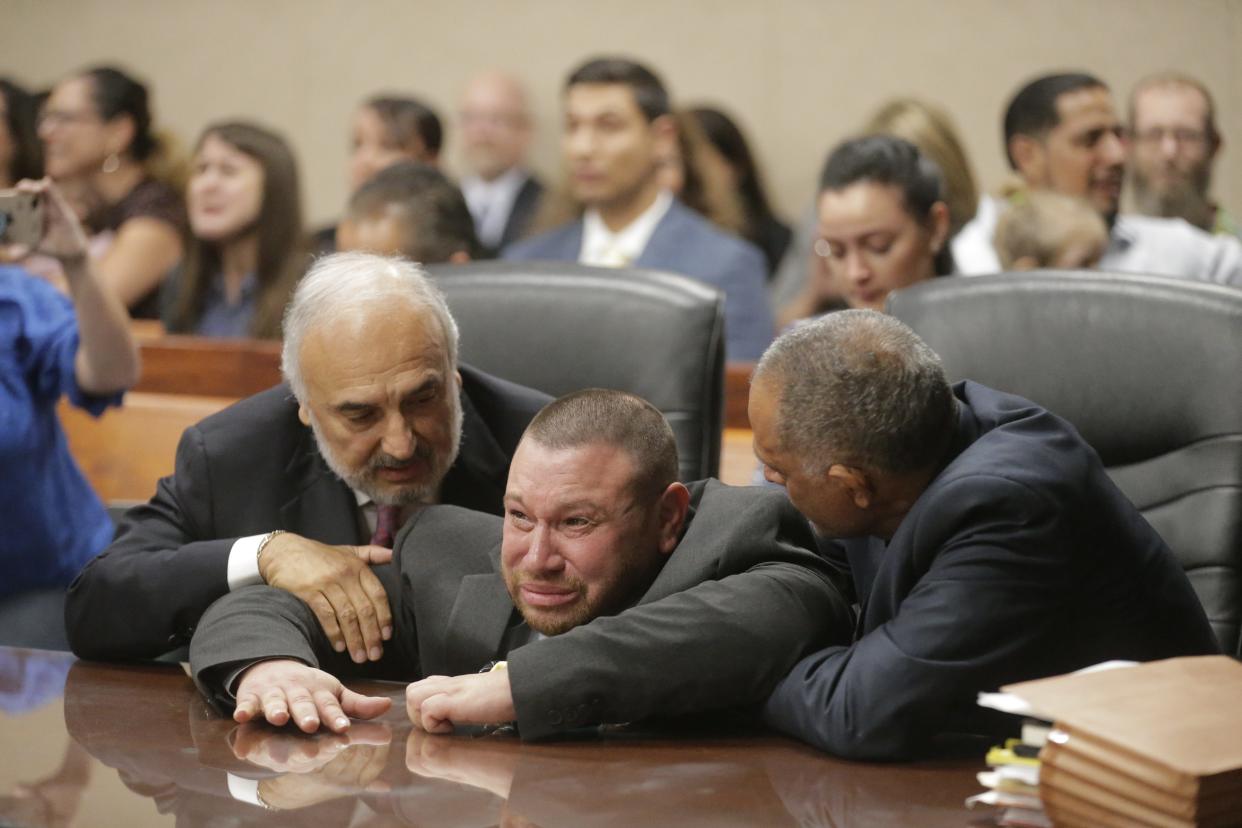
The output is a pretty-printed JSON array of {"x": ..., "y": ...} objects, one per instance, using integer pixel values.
[
  {"x": 386, "y": 129},
  {"x": 21, "y": 155},
  {"x": 760, "y": 224},
  {"x": 246, "y": 251},
  {"x": 883, "y": 223},
  {"x": 98, "y": 143}
]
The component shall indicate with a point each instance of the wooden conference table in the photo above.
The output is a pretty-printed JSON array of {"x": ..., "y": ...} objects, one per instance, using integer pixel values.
[{"x": 89, "y": 744}]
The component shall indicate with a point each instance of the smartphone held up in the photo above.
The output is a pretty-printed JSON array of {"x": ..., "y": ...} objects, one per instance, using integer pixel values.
[{"x": 21, "y": 217}]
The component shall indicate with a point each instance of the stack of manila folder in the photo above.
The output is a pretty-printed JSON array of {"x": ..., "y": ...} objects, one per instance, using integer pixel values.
[{"x": 1156, "y": 744}]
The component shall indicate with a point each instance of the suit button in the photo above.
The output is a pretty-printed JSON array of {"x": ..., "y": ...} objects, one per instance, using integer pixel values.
[{"x": 554, "y": 716}]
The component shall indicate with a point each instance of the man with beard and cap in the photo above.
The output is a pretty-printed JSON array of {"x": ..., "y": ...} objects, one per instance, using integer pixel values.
[
  {"x": 1174, "y": 143},
  {"x": 286, "y": 487},
  {"x": 1063, "y": 134}
]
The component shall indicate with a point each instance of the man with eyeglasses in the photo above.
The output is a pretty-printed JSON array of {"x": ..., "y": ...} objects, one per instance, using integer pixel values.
[
  {"x": 501, "y": 192},
  {"x": 1062, "y": 134},
  {"x": 1175, "y": 143}
]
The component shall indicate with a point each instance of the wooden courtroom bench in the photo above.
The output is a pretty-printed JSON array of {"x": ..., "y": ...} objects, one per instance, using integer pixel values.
[
  {"x": 128, "y": 449},
  {"x": 184, "y": 379}
]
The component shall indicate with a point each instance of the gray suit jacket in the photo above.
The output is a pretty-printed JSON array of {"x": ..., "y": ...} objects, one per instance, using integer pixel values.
[
  {"x": 685, "y": 243},
  {"x": 739, "y": 601}
]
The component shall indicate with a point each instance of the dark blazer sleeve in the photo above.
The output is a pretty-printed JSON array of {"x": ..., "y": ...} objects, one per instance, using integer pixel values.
[
  {"x": 258, "y": 623},
  {"x": 143, "y": 595},
  {"x": 979, "y": 610},
  {"x": 740, "y": 600}
]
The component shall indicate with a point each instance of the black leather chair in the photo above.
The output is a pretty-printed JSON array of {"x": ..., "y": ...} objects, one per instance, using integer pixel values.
[
  {"x": 561, "y": 327},
  {"x": 1149, "y": 369}
]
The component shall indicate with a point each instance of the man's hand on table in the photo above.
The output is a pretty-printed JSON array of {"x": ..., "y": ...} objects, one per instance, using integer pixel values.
[
  {"x": 437, "y": 703},
  {"x": 283, "y": 689},
  {"x": 337, "y": 583}
]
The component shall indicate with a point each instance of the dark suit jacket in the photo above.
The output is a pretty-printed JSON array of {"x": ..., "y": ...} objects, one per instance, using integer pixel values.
[
  {"x": 739, "y": 601},
  {"x": 685, "y": 243},
  {"x": 245, "y": 471},
  {"x": 1020, "y": 560},
  {"x": 525, "y": 206}
]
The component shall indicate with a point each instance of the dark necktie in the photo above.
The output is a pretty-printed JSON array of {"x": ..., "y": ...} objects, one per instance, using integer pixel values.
[{"x": 387, "y": 522}]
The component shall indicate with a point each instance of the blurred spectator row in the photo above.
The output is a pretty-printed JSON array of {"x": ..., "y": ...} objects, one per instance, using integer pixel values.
[{"x": 214, "y": 243}]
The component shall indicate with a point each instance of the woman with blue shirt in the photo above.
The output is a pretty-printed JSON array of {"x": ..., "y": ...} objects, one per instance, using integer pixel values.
[
  {"x": 51, "y": 522},
  {"x": 246, "y": 251}
]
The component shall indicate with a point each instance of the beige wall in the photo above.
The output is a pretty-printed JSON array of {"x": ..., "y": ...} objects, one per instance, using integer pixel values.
[{"x": 799, "y": 74}]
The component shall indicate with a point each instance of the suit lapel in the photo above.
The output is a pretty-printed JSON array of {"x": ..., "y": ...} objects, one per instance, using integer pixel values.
[
  {"x": 570, "y": 243},
  {"x": 667, "y": 242},
  {"x": 477, "y": 624},
  {"x": 477, "y": 478},
  {"x": 324, "y": 508},
  {"x": 522, "y": 212}
]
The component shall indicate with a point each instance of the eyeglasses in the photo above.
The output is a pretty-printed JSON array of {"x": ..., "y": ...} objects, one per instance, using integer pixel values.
[
  {"x": 63, "y": 117},
  {"x": 1157, "y": 135}
]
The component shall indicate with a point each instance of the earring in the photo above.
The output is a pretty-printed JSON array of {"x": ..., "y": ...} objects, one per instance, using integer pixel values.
[{"x": 112, "y": 163}]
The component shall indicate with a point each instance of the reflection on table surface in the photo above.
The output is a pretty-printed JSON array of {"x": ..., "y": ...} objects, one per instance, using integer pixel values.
[{"x": 98, "y": 745}]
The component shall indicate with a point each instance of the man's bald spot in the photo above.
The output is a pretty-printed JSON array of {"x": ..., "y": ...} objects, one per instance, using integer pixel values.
[{"x": 494, "y": 83}]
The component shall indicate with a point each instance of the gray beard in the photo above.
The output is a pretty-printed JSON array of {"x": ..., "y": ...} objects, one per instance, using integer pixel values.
[
  {"x": 1187, "y": 199},
  {"x": 363, "y": 480}
]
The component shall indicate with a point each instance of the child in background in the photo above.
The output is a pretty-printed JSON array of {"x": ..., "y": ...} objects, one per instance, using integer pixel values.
[{"x": 1043, "y": 229}]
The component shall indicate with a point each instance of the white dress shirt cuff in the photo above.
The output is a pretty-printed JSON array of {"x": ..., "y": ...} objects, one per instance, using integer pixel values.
[
  {"x": 244, "y": 562},
  {"x": 245, "y": 790}
]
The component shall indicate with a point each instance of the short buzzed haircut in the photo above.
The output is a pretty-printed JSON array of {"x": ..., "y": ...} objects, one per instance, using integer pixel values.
[
  {"x": 612, "y": 418},
  {"x": 1033, "y": 111},
  {"x": 649, "y": 91},
  {"x": 434, "y": 218},
  {"x": 860, "y": 388}
]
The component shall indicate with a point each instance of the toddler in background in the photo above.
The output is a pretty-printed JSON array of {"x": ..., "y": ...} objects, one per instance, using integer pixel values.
[{"x": 1044, "y": 229}]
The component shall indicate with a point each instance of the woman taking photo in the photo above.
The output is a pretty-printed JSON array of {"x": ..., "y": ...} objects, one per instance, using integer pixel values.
[
  {"x": 97, "y": 141},
  {"x": 52, "y": 346},
  {"x": 246, "y": 251}
]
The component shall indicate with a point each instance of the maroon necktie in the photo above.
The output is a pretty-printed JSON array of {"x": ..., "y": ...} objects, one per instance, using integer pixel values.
[{"x": 387, "y": 521}]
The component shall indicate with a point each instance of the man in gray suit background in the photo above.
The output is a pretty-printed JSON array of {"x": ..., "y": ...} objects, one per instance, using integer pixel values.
[
  {"x": 617, "y": 127},
  {"x": 616, "y": 593}
]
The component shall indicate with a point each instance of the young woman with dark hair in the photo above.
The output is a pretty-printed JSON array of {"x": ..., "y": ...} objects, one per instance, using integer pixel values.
[
  {"x": 883, "y": 221},
  {"x": 761, "y": 224},
  {"x": 246, "y": 250}
]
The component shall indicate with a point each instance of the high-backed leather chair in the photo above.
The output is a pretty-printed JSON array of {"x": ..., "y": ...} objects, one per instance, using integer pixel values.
[
  {"x": 560, "y": 327},
  {"x": 1149, "y": 369}
]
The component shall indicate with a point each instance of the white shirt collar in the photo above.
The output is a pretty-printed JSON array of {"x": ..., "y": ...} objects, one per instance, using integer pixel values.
[
  {"x": 601, "y": 246},
  {"x": 491, "y": 202}
]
